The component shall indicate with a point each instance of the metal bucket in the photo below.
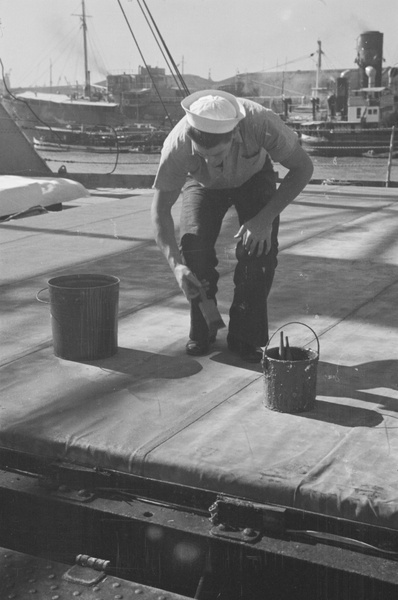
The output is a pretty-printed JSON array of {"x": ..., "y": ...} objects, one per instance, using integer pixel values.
[
  {"x": 290, "y": 385},
  {"x": 84, "y": 315}
]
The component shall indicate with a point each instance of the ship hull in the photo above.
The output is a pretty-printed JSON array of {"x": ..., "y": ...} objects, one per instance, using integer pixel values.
[{"x": 346, "y": 141}]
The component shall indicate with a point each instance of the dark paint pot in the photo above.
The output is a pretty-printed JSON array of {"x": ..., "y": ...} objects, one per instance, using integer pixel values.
[{"x": 290, "y": 385}]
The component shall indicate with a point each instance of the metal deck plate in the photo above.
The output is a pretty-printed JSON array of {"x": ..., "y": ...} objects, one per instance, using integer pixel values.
[{"x": 25, "y": 577}]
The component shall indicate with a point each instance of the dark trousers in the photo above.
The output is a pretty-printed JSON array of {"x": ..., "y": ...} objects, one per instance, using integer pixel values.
[{"x": 202, "y": 214}]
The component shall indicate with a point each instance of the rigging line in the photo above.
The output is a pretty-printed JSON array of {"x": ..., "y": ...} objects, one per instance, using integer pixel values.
[
  {"x": 159, "y": 46},
  {"x": 167, "y": 50},
  {"x": 144, "y": 61},
  {"x": 94, "y": 43},
  {"x": 58, "y": 48},
  {"x": 289, "y": 62},
  {"x": 65, "y": 55},
  {"x": 276, "y": 87}
]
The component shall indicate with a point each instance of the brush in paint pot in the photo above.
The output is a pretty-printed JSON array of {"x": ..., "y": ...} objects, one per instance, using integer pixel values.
[
  {"x": 281, "y": 347},
  {"x": 288, "y": 352}
]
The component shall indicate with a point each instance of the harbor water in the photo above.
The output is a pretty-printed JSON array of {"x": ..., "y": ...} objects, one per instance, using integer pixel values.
[{"x": 331, "y": 170}]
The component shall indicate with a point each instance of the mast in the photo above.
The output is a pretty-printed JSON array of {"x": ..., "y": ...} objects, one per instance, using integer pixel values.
[
  {"x": 319, "y": 52},
  {"x": 319, "y": 65},
  {"x": 87, "y": 88}
]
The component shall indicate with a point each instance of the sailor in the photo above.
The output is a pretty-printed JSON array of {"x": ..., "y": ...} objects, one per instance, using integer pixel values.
[{"x": 219, "y": 155}]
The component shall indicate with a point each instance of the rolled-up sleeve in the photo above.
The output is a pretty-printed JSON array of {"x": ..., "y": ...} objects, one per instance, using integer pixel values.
[
  {"x": 174, "y": 161},
  {"x": 169, "y": 176},
  {"x": 279, "y": 140}
]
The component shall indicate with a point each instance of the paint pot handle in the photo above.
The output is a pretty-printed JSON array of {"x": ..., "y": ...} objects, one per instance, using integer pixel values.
[
  {"x": 39, "y": 299},
  {"x": 293, "y": 323}
]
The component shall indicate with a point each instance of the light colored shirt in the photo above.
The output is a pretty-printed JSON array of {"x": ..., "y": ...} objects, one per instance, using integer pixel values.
[{"x": 261, "y": 132}]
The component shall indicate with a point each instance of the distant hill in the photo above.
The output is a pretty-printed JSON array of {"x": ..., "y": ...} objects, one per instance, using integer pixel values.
[
  {"x": 291, "y": 83},
  {"x": 144, "y": 104}
]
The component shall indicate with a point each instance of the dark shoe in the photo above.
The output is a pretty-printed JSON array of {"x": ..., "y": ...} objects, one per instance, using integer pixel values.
[
  {"x": 247, "y": 352},
  {"x": 194, "y": 348}
]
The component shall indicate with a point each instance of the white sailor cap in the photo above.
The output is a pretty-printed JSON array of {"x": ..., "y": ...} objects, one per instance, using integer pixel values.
[{"x": 213, "y": 111}]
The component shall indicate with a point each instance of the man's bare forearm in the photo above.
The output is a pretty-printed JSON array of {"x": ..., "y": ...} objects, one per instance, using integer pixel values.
[
  {"x": 163, "y": 226},
  {"x": 291, "y": 186}
]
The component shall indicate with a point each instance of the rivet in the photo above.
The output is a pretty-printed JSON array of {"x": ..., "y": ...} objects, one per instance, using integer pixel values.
[
  {"x": 52, "y": 576},
  {"x": 116, "y": 584},
  {"x": 53, "y": 587},
  {"x": 76, "y": 593},
  {"x": 33, "y": 591},
  {"x": 96, "y": 589},
  {"x": 11, "y": 596},
  {"x": 118, "y": 596},
  {"x": 137, "y": 591},
  {"x": 31, "y": 580},
  {"x": 55, "y": 597}
]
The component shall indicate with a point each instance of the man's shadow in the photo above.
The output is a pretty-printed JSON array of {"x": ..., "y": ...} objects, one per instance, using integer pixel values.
[
  {"x": 140, "y": 364},
  {"x": 357, "y": 382}
]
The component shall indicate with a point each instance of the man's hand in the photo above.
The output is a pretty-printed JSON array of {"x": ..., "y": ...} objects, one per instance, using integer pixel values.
[
  {"x": 256, "y": 232},
  {"x": 255, "y": 237},
  {"x": 187, "y": 281}
]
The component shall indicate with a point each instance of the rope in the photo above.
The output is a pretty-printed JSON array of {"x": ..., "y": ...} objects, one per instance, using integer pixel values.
[
  {"x": 167, "y": 50},
  {"x": 159, "y": 46},
  {"x": 144, "y": 61}
]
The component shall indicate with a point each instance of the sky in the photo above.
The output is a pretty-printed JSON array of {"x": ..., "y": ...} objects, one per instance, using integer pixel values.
[{"x": 41, "y": 41}]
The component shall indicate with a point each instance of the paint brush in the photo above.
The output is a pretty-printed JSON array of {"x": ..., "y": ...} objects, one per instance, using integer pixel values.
[
  {"x": 281, "y": 347},
  {"x": 210, "y": 312}
]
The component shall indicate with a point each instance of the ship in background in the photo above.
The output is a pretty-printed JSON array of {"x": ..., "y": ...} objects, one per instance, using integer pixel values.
[
  {"x": 88, "y": 107},
  {"x": 357, "y": 118},
  {"x": 108, "y": 115},
  {"x": 345, "y": 113}
]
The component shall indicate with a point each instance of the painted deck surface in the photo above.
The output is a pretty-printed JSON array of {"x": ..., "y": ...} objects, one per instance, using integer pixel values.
[{"x": 154, "y": 411}]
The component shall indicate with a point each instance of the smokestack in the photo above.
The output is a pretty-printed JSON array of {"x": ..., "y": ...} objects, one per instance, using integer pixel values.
[{"x": 370, "y": 54}]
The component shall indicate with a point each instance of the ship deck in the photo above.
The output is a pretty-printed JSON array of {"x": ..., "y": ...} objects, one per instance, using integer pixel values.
[{"x": 152, "y": 411}]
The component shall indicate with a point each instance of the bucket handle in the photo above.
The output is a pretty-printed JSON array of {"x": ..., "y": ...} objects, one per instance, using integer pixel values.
[
  {"x": 39, "y": 299},
  {"x": 293, "y": 323}
]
